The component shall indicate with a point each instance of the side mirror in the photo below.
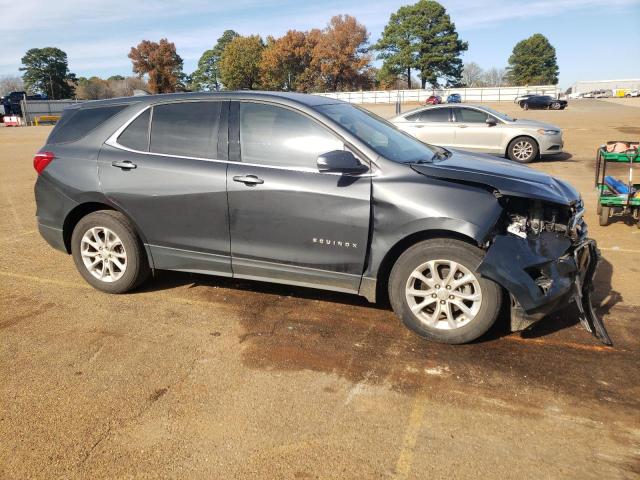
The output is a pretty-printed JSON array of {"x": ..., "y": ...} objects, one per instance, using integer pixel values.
[
  {"x": 341, "y": 161},
  {"x": 491, "y": 121}
]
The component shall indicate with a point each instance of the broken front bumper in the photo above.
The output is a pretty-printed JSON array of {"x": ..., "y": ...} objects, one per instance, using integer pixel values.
[{"x": 544, "y": 273}]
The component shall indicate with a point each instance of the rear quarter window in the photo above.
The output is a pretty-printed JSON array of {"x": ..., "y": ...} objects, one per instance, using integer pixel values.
[{"x": 76, "y": 123}]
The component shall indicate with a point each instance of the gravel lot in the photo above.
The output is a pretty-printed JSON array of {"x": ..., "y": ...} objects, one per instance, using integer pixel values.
[{"x": 200, "y": 377}]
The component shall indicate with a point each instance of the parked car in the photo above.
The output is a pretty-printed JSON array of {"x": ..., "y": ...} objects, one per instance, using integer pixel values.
[
  {"x": 434, "y": 100},
  {"x": 602, "y": 94},
  {"x": 454, "y": 98},
  {"x": 519, "y": 98},
  {"x": 481, "y": 129},
  {"x": 632, "y": 93},
  {"x": 307, "y": 190},
  {"x": 543, "y": 101},
  {"x": 11, "y": 102}
]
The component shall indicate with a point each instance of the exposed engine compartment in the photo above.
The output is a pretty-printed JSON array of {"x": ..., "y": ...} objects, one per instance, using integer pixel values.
[{"x": 524, "y": 218}]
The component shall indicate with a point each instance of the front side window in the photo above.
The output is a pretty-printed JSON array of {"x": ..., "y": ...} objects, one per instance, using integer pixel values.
[
  {"x": 430, "y": 115},
  {"x": 468, "y": 115},
  {"x": 188, "y": 129},
  {"x": 276, "y": 136},
  {"x": 378, "y": 134}
]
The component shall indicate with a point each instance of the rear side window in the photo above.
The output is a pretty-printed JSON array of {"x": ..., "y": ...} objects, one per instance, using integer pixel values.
[
  {"x": 187, "y": 129},
  {"x": 75, "y": 124},
  {"x": 430, "y": 115},
  {"x": 136, "y": 135}
]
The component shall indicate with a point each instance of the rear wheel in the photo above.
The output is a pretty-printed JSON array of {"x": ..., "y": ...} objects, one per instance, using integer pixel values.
[
  {"x": 437, "y": 293},
  {"x": 108, "y": 253},
  {"x": 605, "y": 213},
  {"x": 522, "y": 149}
]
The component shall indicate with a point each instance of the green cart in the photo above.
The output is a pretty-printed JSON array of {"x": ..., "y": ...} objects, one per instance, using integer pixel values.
[{"x": 616, "y": 197}]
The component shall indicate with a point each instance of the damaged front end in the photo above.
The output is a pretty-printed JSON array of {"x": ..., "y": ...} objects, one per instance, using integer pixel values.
[{"x": 539, "y": 251}]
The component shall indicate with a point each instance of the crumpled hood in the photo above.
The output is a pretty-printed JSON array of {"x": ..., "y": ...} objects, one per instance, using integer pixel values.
[{"x": 505, "y": 176}]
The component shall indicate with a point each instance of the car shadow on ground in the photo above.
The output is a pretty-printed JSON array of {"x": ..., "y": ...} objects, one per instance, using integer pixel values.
[
  {"x": 559, "y": 157},
  {"x": 236, "y": 290}
]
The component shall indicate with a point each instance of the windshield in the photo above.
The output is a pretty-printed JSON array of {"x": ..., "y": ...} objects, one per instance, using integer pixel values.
[
  {"x": 500, "y": 115},
  {"x": 378, "y": 134}
]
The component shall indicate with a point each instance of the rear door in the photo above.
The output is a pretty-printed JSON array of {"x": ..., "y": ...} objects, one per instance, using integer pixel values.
[
  {"x": 431, "y": 125},
  {"x": 473, "y": 133},
  {"x": 167, "y": 171},
  {"x": 289, "y": 222}
]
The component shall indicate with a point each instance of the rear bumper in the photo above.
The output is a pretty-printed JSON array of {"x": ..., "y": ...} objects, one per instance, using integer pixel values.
[{"x": 53, "y": 236}]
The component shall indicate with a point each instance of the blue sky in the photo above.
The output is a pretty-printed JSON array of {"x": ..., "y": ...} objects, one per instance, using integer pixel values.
[{"x": 594, "y": 39}]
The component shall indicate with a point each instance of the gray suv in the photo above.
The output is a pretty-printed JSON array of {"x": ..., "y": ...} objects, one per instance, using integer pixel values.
[{"x": 310, "y": 191}]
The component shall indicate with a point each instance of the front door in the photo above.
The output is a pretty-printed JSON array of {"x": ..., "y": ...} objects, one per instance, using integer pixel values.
[
  {"x": 288, "y": 221},
  {"x": 473, "y": 133},
  {"x": 170, "y": 179}
]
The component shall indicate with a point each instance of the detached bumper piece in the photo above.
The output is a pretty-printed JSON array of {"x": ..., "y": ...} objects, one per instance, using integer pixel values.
[
  {"x": 587, "y": 258},
  {"x": 544, "y": 273}
]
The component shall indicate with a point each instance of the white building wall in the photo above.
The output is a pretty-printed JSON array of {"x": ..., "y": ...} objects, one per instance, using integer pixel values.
[{"x": 613, "y": 85}]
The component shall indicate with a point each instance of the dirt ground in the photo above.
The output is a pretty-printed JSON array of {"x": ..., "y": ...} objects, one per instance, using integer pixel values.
[{"x": 201, "y": 377}]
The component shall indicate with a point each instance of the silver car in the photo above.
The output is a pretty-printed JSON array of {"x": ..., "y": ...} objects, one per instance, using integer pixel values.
[{"x": 481, "y": 129}]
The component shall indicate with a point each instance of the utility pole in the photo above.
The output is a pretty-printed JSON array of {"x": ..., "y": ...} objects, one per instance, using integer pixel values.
[{"x": 51, "y": 85}]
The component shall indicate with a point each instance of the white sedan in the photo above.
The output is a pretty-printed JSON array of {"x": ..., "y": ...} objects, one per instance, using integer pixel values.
[{"x": 482, "y": 129}]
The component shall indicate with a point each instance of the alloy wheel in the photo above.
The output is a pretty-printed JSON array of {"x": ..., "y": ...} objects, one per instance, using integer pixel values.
[
  {"x": 103, "y": 254},
  {"x": 523, "y": 150},
  {"x": 443, "y": 294}
]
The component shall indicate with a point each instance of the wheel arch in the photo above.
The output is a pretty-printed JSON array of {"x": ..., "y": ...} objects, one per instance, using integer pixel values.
[
  {"x": 392, "y": 255},
  {"x": 83, "y": 209}
]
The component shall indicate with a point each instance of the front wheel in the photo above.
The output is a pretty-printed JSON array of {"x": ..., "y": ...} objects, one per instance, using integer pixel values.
[
  {"x": 522, "y": 149},
  {"x": 437, "y": 293},
  {"x": 556, "y": 105},
  {"x": 525, "y": 105},
  {"x": 108, "y": 253}
]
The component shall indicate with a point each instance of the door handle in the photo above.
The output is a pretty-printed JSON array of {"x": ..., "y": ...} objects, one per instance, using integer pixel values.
[
  {"x": 463, "y": 126},
  {"x": 418, "y": 126},
  {"x": 125, "y": 165},
  {"x": 248, "y": 179}
]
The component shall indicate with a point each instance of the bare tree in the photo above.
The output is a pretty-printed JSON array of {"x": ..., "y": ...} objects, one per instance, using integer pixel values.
[
  {"x": 495, "y": 77},
  {"x": 10, "y": 83},
  {"x": 472, "y": 75}
]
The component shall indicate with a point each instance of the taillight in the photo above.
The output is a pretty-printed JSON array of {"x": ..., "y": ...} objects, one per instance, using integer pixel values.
[{"x": 41, "y": 160}]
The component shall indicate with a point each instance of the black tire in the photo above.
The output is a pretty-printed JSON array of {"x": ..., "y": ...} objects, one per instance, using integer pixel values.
[
  {"x": 136, "y": 266},
  {"x": 604, "y": 216},
  {"x": 556, "y": 105},
  {"x": 463, "y": 254},
  {"x": 515, "y": 147},
  {"x": 525, "y": 105}
]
